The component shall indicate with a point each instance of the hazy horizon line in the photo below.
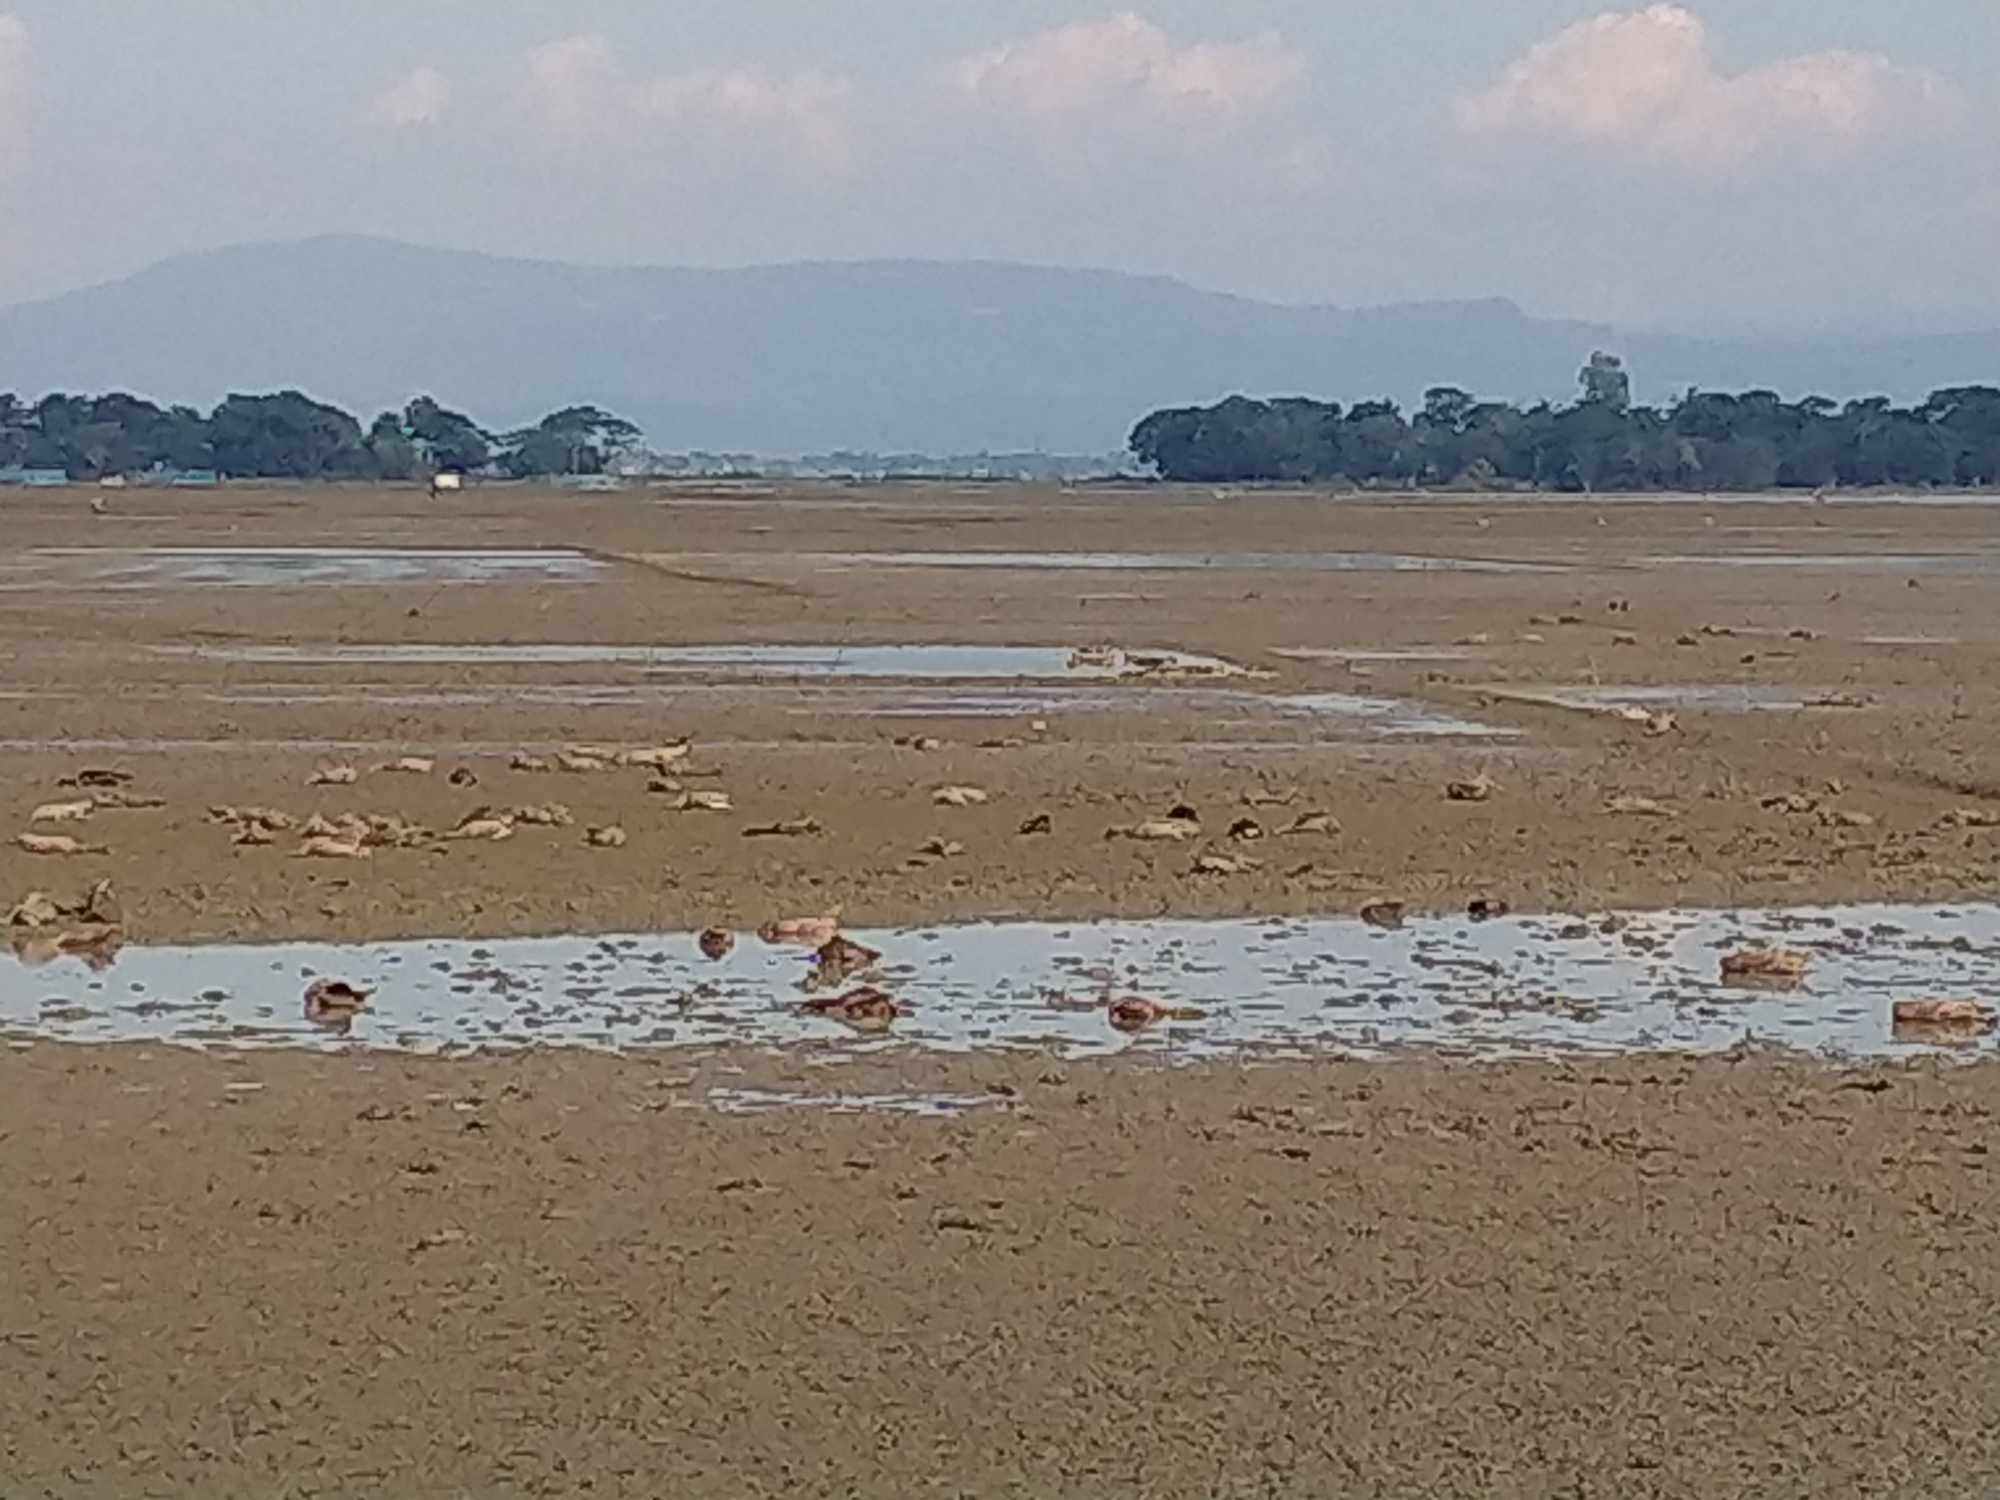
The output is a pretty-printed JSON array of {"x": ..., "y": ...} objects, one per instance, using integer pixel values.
[{"x": 1724, "y": 327}]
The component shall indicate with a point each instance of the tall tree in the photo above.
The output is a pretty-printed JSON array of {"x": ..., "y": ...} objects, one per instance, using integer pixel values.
[
  {"x": 449, "y": 439},
  {"x": 1605, "y": 382}
]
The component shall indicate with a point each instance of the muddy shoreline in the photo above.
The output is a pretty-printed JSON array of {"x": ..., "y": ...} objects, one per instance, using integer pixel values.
[
  {"x": 1893, "y": 659},
  {"x": 845, "y": 1266},
  {"x": 550, "y": 1273}
]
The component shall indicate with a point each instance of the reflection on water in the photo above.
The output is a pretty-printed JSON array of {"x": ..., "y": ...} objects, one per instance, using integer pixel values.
[
  {"x": 1279, "y": 987},
  {"x": 1865, "y": 562},
  {"x": 1167, "y": 562},
  {"x": 910, "y": 661},
  {"x": 1319, "y": 716},
  {"x": 290, "y": 567},
  {"x": 1714, "y": 697}
]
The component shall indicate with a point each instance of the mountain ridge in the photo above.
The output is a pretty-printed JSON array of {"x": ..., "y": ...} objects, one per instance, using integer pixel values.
[{"x": 890, "y": 354}]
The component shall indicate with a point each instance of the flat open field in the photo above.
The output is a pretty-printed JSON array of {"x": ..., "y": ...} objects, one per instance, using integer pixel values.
[
  {"x": 1293, "y": 1243},
  {"x": 1887, "y": 617}
]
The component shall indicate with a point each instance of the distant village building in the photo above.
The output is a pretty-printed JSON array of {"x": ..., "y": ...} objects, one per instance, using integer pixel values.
[{"x": 40, "y": 479}]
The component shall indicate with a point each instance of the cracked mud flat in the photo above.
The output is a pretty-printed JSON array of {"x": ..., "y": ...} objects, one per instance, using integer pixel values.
[{"x": 857, "y": 1267}]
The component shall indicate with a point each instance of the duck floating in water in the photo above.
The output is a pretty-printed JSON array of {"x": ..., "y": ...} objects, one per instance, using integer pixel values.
[
  {"x": 865, "y": 1009},
  {"x": 1134, "y": 1014},
  {"x": 334, "y": 1002},
  {"x": 837, "y": 960}
]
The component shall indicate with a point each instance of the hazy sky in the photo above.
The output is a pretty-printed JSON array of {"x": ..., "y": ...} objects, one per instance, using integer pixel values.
[{"x": 1775, "y": 160}]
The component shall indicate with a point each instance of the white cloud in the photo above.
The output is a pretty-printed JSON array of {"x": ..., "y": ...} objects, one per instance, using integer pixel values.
[
  {"x": 1124, "y": 59},
  {"x": 572, "y": 80},
  {"x": 419, "y": 97},
  {"x": 810, "y": 106},
  {"x": 579, "y": 86},
  {"x": 1647, "y": 79}
]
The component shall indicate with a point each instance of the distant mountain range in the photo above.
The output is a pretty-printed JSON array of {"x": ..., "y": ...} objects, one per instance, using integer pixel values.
[{"x": 882, "y": 355}]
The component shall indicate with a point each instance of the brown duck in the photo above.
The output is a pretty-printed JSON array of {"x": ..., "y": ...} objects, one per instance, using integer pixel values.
[
  {"x": 334, "y": 1002},
  {"x": 837, "y": 960},
  {"x": 865, "y": 1009},
  {"x": 1133, "y": 1014}
]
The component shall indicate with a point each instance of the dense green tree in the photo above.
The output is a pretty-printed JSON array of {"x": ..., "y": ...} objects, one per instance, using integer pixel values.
[
  {"x": 575, "y": 440},
  {"x": 287, "y": 435},
  {"x": 1605, "y": 382},
  {"x": 450, "y": 440},
  {"x": 1749, "y": 440},
  {"x": 393, "y": 452}
]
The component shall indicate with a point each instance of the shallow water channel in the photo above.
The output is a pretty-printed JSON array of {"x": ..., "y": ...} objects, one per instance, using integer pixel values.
[
  {"x": 919, "y": 661},
  {"x": 291, "y": 567},
  {"x": 1278, "y": 987}
]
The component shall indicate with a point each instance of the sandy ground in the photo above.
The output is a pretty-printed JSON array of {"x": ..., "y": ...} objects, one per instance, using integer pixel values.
[
  {"x": 564, "y": 1274},
  {"x": 87, "y": 664},
  {"x": 287, "y": 1276}
]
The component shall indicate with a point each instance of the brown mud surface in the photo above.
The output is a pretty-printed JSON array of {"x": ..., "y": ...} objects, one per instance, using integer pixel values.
[
  {"x": 561, "y": 1273},
  {"x": 1901, "y": 738},
  {"x": 280, "y": 1275}
]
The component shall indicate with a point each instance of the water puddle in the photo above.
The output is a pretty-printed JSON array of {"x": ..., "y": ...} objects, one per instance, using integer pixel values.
[
  {"x": 316, "y": 745},
  {"x": 1382, "y": 655},
  {"x": 1390, "y": 718},
  {"x": 1317, "y": 716},
  {"x": 1163, "y": 562},
  {"x": 290, "y": 567},
  {"x": 933, "y": 1106},
  {"x": 1510, "y": 987},
  {"x": 1056, "y": 663},
  {"x": 1713, "y": 697},
  {"x": 1872, "y": 562}
]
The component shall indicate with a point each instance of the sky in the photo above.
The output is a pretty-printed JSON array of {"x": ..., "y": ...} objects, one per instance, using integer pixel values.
[{"x": 1783, "y": 163}]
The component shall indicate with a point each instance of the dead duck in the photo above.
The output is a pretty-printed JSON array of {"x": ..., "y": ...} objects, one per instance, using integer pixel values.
[
  {"x": 64, "y": 812},
  {"x": 1134, "y": 1014},
  {"x": 806, "y": 932},
  {"x": 1157, "y": 830},
  {"x": 545, "y": 815},
  {"x": 409, "y": 765},
  {"x": 56, "y": 844},
  {"x": 1942, "y": 1020},
  {"x": 330, "y": 846},
  {"x": 1780, "y": 968},
  {"x": 1387, "y": 915},
  {"x": 334, "y": 1002},
  {"x": 657, "y": 758},
  {"x": 96, "y": 943},
  {"x": 484, "y": 823},
  {"x": 865, "y": 1009},
  {"x": 837, "y": 960},
  {"x": 36, "y": 909},
  {"x": 99, "y": 907}
]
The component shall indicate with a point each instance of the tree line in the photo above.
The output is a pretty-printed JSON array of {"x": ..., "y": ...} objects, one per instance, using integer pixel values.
[
  {"x": 287, "y": 435},
  {"x": 1706, "y": 440}
]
